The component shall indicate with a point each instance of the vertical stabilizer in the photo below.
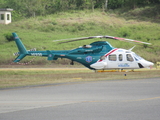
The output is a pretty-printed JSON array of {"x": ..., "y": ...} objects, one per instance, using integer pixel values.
[
  {"x": 19, "y": 44},
  {"x": 22, "y": 50}
]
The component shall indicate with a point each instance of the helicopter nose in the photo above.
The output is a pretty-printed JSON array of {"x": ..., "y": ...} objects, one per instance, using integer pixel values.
[
  {"x": 99, "y": 65},
  {"x": 147, "y": 63}
]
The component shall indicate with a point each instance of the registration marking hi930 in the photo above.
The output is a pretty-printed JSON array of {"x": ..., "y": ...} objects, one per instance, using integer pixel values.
[{"x": 36, "y": 54}]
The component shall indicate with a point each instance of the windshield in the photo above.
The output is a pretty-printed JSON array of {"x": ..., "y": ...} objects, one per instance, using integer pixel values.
[{"x": 137, "y": 57}]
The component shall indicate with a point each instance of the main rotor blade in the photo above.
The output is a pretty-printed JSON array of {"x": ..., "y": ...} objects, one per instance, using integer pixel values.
[
  {"x": 106, "y": 36},
  {"x": 125, "y": 39},
  {"x": 77, "y": 39}
]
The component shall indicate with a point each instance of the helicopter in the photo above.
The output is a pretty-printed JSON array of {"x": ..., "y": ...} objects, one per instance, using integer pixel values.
[{"x": 99, "y": 55}]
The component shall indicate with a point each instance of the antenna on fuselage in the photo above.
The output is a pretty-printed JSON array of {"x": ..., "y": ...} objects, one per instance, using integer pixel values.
[{"x": 132, "y": 48}]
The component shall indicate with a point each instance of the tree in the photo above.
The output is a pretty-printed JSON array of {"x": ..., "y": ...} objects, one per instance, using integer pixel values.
[
  {"x": 29, "y": 8},
  {"x": 106, "y": 4}
]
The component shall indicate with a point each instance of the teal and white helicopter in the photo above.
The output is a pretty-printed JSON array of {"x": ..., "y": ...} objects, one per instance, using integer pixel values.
[{"x": 98, "y": 55}]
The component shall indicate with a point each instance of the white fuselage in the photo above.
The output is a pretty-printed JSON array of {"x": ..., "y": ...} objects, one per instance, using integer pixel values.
[{"x": 121, "y": 59}]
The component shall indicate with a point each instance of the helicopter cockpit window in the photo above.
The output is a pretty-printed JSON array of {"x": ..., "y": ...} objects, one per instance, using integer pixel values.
[
  {"x": 87, "y": 46},
  {"x": 113, "y": 57},
  {"x": 129, "y": 57},
  {"x": 137, "y": 57},
  {"x": 120, "y": 57}
]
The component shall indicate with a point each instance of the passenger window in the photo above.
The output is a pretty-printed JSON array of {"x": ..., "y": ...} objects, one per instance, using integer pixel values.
[
  {"x": 112, "y": 57},
  {"x": 120, "y": 57},
  {"x": 129, "y": 57}
]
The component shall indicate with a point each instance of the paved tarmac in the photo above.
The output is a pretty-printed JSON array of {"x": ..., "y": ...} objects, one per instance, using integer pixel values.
[{"x": 101, "y": 100}]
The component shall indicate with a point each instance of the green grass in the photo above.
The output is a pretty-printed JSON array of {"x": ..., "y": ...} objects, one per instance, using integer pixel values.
[
  {"x": 147, "y": 13},
  {"x": 30, "y": 77},
  {"x": 39, "y": 32}
]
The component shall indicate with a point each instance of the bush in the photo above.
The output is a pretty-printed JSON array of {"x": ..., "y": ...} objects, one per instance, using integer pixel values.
[
  {"x": 124, "y": 32},
  {"x": 9, "y": 37}
]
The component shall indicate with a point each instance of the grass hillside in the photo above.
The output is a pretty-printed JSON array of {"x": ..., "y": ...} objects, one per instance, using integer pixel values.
[{"x": 39, "y": 32}]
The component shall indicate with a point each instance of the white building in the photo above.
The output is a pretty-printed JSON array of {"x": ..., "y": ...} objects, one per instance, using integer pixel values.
[{"x": 5, "y": 15}]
